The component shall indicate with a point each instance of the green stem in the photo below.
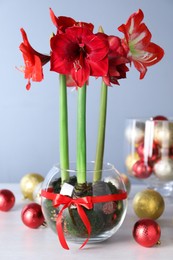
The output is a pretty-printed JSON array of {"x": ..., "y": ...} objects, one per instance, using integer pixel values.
[
  {"x": 63, "y": 140},
  {"x": 81, "y": 135},
  {"x": 101, "y": 134}
]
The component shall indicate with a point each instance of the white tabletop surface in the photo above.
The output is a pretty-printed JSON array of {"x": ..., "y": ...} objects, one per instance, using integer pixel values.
[{"x": 18, "y": 242}]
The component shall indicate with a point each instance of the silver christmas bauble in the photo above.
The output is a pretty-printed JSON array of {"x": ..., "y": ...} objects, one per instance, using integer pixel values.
[
  {"x": 163, "y": 169},
  {"x": 163, "y": 134}
]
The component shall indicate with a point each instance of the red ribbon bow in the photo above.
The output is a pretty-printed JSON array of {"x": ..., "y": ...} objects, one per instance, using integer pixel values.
[{"x": 87, "y": 202}]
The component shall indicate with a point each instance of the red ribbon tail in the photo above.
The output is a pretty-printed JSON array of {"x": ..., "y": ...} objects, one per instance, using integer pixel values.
[
  {"x": 86, "y": 222},
  {"x": 59, "y": 229}
]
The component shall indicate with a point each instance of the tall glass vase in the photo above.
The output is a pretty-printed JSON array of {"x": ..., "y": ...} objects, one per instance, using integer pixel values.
[{"x": 149, "y": 153}]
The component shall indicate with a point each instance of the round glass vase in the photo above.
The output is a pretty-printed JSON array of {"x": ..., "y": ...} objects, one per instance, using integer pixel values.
[
  {"x": 149, "y": 153},
  {"x": 105, "y": 217}
]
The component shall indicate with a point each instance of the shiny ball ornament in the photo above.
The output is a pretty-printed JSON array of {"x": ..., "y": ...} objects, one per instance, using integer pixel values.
[
  {"x": 130, "y": 161},
  {"x": 7, "y": 200},
  {"x": 163, "y": 134},
  {"x": 150, "y": 154},
  {"x": 171, "y": 152},
  {"x": 134, "y": 134},
  {"x": 32, "y": 215},
  {"x": 142, "y": 170},
  {"x": 148, "y": 204},
  {"x": 163, "y": 169},
  {"x": 147, "y": 232},
  {"x": 159, "y": 117},
  {"x": 28, "y": 184}
]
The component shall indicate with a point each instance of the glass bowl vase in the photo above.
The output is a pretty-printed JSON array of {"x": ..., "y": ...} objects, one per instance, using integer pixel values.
[
  {"x": 149, "y": 153},
  {"x": 96, "y": 223}
]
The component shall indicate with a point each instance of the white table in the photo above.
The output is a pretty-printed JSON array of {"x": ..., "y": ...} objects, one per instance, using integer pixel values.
[{"x": 18, "y": 242}]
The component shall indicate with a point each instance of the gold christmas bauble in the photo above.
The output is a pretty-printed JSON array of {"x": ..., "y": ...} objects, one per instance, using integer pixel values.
[
  {"x": 130, "y": 161},
  {"x": 148, "y": 204},
  {"x": 28, "y": 184}
]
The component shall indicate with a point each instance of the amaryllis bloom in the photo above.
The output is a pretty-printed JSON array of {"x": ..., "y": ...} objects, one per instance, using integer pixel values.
[
  {"x": 79, "y": 53},
  {"x": 142, "y": 52},
  {"x": 33, "y": 61},
  {"x": 63, "y": 22},
  {"x": 117, "y": 59}
]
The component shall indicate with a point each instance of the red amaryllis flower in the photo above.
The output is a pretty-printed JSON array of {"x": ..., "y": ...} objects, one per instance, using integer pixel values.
[
  {"x": 63, "y": 22},
  {"x": 142, "y": 52},
  {"x": 117, "y": 58},
  {"x": 33, "y": 61},
  {"x": 79, "y": 53}
]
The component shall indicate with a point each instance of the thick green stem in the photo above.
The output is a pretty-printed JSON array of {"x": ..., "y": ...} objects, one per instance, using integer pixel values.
[
  {"x": 81, "y": 135},
  {"x": 101, "y": 134},
  {"x": 63, "y": 140}
]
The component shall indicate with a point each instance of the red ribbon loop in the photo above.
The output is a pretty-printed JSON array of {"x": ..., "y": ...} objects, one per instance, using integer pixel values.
[
  {"x": 79, "y": 203},
  {"x": 60, "y": 199}
]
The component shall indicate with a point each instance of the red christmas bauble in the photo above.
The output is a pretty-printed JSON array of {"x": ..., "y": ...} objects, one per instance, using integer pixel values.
[
  {"x": 150, "y": 154},
  {"x": 146, "y": 232},
  {"x": 159, "y": 117},
  {"x": 7, "y": 200},
  {"x": 142, "y": 170},
  {"x": 32, "y": 215},
  {"x": 171, "y": 152}
]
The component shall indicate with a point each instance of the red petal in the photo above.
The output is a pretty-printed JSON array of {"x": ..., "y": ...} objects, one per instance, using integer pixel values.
[
  {"x": 99, "y": 68},
  {"x": 156, "y": 52},
  {"x": 149, "y": 57},
  {"x": 106, "y": 80},
  {"x": 133, "y": 21},
  {"x": 141, "y": 68},
  {"x": 99, "y": 48},
  {"x": 60, "y": 65},
  {"x": 70, "y": 82},
  {"x": 62, "y": 56},
  {"x": 61, "y": 22},
  {"x": 81, "y": 76},
  {"x": 37, "y": 73},
  {"x": 141, "y": 37}
]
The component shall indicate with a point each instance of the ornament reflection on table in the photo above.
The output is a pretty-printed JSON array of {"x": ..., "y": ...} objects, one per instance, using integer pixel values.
[{"x": 149, "y": 152}]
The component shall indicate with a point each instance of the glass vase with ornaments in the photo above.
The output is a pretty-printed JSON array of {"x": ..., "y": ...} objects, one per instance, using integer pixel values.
[{"x": 149, "y": 152}]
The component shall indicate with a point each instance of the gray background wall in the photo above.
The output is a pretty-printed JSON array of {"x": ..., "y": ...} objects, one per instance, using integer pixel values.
[{"x": 29, "y": 120}]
